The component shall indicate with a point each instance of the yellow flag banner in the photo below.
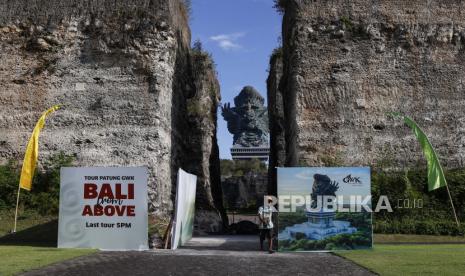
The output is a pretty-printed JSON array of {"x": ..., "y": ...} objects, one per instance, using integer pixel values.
[{"x": 32, "y": 152}]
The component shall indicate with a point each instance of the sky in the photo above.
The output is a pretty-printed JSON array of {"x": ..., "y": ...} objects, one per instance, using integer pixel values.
[
  {"x": 240, "y": 35},
  {"x": 299, "y": 181}
]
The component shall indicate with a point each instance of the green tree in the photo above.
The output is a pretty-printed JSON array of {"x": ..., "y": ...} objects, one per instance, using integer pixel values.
[
  {"x": 45, "y": 192},
  {"x": 242, "y": 167},
  {"x": 9, "y": 181},
  {"x": 279, "y": 5}
]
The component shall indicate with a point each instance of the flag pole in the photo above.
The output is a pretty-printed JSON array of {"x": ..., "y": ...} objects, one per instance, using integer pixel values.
[
  {"x": 453, "y": 207},
  {"x": 432, "y": 159},
  {"x": 16, "y": 212}
]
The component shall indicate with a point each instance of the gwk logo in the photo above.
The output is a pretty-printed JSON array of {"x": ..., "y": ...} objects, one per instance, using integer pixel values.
[{"x": 350, "y": 179}]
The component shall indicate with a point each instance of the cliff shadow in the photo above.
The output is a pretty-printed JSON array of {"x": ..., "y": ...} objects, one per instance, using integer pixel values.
[{"x": 42, "y": 235}]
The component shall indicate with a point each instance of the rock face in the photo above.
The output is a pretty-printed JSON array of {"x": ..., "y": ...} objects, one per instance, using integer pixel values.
[
  {"x": 247, "y": 191},
  {"x": 202, "y": 158},
  {"x": 276, "y": 120},
  {"x": 125, "y": 75},
  {"x": 347, "y": 63}
]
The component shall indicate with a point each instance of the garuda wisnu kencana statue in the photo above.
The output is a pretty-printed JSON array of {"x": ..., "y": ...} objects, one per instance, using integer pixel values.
[
  {"x": 323, "y": 186},
  {"x": 248, "y": 120}
]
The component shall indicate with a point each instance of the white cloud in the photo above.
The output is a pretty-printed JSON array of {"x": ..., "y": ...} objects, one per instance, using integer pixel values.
[
  {"x": 228, "y": 41},
  {"x": 305, "y": 174}
]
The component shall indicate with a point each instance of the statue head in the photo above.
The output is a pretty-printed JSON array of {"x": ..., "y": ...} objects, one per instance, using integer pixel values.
[
  {"x": 321, "y": 179},
  {"x": 249, "y": 96},
  {"x": 323, "y": 186},
  {"x": 248, "y": 120},
  {"x": 249, "y": 104}
]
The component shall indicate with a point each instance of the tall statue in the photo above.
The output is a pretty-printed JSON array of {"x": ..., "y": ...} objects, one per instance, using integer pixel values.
[
  {"x": 323, "y": 186},
  {"x": 248, "y": 120}
]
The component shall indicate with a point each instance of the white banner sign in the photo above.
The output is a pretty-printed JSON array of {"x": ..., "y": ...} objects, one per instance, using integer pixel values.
[
  {"x": 103, "y": 208},
  {"x": 185, "y": 209}
]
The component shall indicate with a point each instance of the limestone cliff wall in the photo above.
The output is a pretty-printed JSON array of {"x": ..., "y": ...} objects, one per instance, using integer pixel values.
[
  {"x": 347, "y": 63},
  {"x": 247, "y": 191},
  {"x": 276, "y": 120},
  {"x": 199, "y": 125},
  {"x": 123, "y": 72}
]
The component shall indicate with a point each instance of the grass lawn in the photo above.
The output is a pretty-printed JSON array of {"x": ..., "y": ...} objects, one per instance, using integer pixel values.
[
  {"x": 33, "y": 246},
  {"x": 400, "y": 238},
  {"x": 26, "y": 219},
  {"x": 16, "y": 259},
  {"x": 438, "y": 259}
]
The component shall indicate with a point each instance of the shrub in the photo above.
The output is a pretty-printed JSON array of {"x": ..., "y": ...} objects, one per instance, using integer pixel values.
[
  {"x": 186, "y": 9},
  {"x": 9, "y": 181},
  {"x": 280, "y": 5},
  {"x": 330, "y": 246},
  {"x": 277, "y": 52},
  {"x": 335, "y": 160},
  {"x": 435, "y": 218},
  {"x": 201, "y": 59},
  {"x": 45, "y": 192},
  {"x": 341, "y": 241},
  {"x": 347, "y": 22},
  {"x": 242, "y": 167}
]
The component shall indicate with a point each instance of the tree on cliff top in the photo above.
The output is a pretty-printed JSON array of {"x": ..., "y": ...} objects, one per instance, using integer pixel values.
[
  {"x": 279, "y": 5},
  {"x": 242, "y": 167},
  {"x": 187, "y": 4}
]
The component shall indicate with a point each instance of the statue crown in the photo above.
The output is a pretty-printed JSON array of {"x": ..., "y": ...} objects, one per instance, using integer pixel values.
[{"x": 249, "y": 95}]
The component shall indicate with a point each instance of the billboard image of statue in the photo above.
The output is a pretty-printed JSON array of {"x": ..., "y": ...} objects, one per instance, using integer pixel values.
[{"x": 330, "y": 210}]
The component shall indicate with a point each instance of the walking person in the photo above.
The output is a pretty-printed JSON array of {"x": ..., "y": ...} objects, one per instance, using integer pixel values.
[{"x": 265, "y": 214}]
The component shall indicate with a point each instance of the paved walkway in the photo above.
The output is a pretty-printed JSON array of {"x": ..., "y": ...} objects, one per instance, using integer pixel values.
[
  {"x": 226, "y": 243},
  {"x": 206, "y": 256}
]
